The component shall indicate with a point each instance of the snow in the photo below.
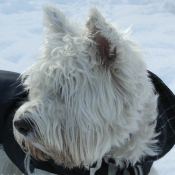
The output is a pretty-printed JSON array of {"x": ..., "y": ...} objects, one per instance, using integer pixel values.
[{"x": 153, "y": 27}]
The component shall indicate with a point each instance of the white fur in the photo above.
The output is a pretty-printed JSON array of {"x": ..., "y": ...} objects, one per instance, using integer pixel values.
[{"x": 82, "y": 110}]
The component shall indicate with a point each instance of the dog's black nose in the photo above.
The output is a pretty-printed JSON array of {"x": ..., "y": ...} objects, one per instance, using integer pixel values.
[{"x": 23, "y": 126}]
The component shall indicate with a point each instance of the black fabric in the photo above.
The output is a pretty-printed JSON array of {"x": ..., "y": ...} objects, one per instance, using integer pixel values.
[
  {"x": 166, "y": 117},
  {"x": 12, "y": 95},
  {"x": 8, "y": 90}
]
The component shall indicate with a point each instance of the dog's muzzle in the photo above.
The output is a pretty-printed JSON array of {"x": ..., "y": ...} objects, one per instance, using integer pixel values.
[{"x": 23, "y": 126}]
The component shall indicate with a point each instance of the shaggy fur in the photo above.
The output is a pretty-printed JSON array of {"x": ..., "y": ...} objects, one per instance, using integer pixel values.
[{"x": 89, "y": 95}]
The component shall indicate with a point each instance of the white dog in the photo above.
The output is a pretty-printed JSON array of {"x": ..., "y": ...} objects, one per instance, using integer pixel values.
[{"x": 90, "y": 97}]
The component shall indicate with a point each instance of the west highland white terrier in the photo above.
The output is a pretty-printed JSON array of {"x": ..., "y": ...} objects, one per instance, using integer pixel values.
[{"x": 90, "y": 99}]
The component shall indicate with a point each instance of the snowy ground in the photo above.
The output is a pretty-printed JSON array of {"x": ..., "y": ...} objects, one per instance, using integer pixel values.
[{"x": 153, "y": 26}]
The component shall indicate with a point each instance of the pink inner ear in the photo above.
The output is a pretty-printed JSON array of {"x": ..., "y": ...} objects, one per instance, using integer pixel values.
[
  {"x": 102, "y": 46},
  {"x": 106, "y": 57}
]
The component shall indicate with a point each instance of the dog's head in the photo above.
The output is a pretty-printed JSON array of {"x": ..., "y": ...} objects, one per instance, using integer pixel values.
[{"x": 89, "y": 95}]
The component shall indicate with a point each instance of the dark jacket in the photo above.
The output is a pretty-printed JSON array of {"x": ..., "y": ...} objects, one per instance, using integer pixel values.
[{"x": 12, "y": 95}]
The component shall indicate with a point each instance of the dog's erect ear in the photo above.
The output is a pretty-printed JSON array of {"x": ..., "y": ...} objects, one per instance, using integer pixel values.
[
  {"x": 104, "y": 34},
  {"x": 55, "y": 21}
]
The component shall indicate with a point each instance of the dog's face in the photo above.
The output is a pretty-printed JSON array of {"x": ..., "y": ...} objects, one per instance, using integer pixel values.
[{"x": 89, "y": 95}]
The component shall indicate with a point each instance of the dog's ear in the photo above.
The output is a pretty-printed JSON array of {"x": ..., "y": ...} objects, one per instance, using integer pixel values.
[
  {"x": 104, "y": 34},
  {"x": 56, "y": 22}
]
